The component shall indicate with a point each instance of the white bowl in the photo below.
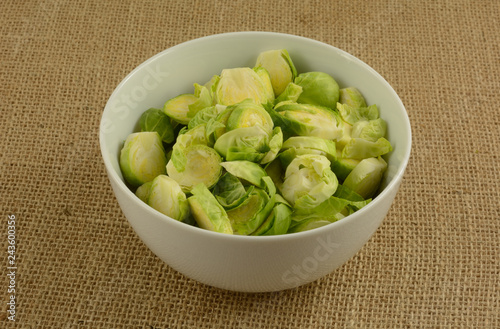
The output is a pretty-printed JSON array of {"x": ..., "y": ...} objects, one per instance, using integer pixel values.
[{"x": 248, "y": 263}]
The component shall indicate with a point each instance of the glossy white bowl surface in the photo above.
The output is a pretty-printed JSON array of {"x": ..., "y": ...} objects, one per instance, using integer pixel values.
[{"x": 247, "y": 263}]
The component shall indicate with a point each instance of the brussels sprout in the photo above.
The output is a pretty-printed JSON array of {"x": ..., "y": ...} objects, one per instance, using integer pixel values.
[
  {"x": 308, "y": 120},
  {"x": 290, "y": 94},
  {"x": 166, "y": 196},
  {"x": 370, "y": 130},
  {"x": 142, "y": 191},
  {"x": 178, "y": 107},
  {"x": 207, "y": 212},
  {"x": 346, "y": 136},
  {"x": 352, "y": 97},
  {"x": 142, "y": 158},
  {"x": 249, "y": 215},
  {"x": 343, "y": 167},
  {"x": 308, "y": 181},
  {"x": 155, "y": 120},
  {"x": 279, "y": 219},
  {"x": 311, "y": 224},
  {"x": 238, "y": 84},
  {"x": 280, "y": 67},
  {"x": 318, "y": 88},
  {"x": 186, "y": 138},
  {"x": 365, "y": 178},
  {"x": 248, "y": 114},
  {"x": 202, "y": 166},
  {"x": 353, "y": 114},
  {"x": 247, "y": 171},
  {"x": 359, "y": 148}
]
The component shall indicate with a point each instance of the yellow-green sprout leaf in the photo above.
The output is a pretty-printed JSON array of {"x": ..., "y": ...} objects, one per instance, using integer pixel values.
[
  {"x": 318, "y": 88},
  {"x": 326, "y": 146},
  {"x": 308, "y": 181},
  {"x": 249, "y": 215},
  {"x": 246, "y": 170},
  {"x": 204, "y": 99},
  {"x": 208, "y": 213},
  {"x": 230, "y": 192},
  {"x": 359, "y": 148},
  {"x": 205, "y": 115},
  {"x": 142, "y": 158},
  {"x": 178, "y": 107},
  {"x": 275, "y": 144},
  {"x": 352, "y": 97},
  {"x": 353, "y": 114},
  {"x": 290, "y": 94},
  {"x": 238, "y": 84},
  {"x": 166, "y": 196},
  {"x": 365, "y": 178},
  {"x": 202, "y": 166},
  {"x": 249, "y": 114},
  {"x": 370, "y": 130},
  {"x": 343, "y": 166},
  {"x": 280, "y": 67}
]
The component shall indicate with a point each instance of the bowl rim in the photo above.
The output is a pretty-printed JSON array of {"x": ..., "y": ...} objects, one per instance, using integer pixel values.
[{"x": 112, "y": 174}]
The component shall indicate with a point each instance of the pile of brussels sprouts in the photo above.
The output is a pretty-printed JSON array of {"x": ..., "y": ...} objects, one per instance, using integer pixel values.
[{"x": 259, "y": 151}]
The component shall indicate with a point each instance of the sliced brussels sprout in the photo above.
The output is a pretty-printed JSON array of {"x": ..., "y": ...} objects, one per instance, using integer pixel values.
[
  {"x": 247, "y": 171},
  {"x": 186, "y": 138},
  {"x": 352, "y": 97},
  {"x": 238, "y": 84},
  {"x": 318, "y": 88},
  {"x": 166, "y": 196},
  {"x": 142, "y": 158},
  {"x": 365, "y": 178},
  {"x": 178, "y": 107},
  {"x": 308, "y": 120},
  {"x": 247, "y": 143},
  {"x": 207, "y": 212},
  {"x": 155, "y": 120},
  {"x": 249, "y": 114},
  {"x": 280, "y": 67},
  {"x": 203, "y": 165},
  {"x": 353, "y": 114},
  {"x": 230, "y": 192},
  {"x": 308, "y": 181},
  {"x": 359, "y": 148},
  {"x": 142, "y": 191},
  {"x": 370, "y": 130}
]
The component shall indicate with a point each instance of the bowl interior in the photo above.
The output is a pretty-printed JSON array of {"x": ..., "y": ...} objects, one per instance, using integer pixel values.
[{"x": 175, "y": 70}]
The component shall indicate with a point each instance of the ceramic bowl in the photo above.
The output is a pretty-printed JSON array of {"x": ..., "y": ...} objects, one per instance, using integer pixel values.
[{"x": 248, "y": 263}]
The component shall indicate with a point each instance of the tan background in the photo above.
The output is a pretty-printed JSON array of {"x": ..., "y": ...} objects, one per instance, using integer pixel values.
[{"x": 434, "y": 262}]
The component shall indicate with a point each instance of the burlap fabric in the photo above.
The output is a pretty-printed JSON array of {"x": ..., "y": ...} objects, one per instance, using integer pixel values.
[{"x": 434, "y": 263}]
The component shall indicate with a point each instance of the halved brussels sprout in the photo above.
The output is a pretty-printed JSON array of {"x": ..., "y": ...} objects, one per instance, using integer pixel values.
[
  {"x": 143, "y": 191},
  {"x": 202, "y": 166},
  {"x": 326, "y": 146},
  {"x": 359, "y": 148},
  {"x": 205, "y": 115},
  {"x": 308, "y": 181},
  {"x": 207, "y": 212},
  {"x": 142, "y": 158},
  {"x": 248, "y": 143},
  {"x": 178, "y": 107},
  {"x": 308, "y": 120},
  {"x": 353, "y": 114},
  {"x": 280, "y": 67},
  {"x": 155, "y": 120},
  {"x": 370, "y": 130},
  {"x": 365, "y": 178},
  {"x": 249, "y": 114},
  {"x": 186, "y": 138},
  {"x": 238, "y": 84},
  {"x": 318, "y": 88},
  {"x": 352, "y": 96},
  {"x": 166, "y": 196}
]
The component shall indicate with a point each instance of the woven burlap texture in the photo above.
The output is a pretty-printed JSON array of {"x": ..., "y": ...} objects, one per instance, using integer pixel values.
[{"x": 434, "y": 262}]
